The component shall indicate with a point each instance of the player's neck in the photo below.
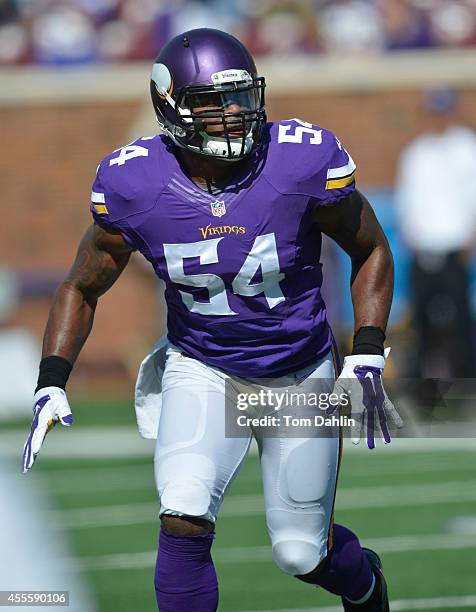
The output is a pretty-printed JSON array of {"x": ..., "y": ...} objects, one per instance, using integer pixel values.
[{"x": 205, "y": 172}]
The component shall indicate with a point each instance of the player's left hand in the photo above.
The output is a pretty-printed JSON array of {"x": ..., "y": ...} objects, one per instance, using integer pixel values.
[
  {"x": 50, "y": 406},
  {"x": 361, "y": 381}
]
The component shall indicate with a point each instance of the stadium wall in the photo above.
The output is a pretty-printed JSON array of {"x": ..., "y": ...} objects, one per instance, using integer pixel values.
[{"x": 57, "y": 126}]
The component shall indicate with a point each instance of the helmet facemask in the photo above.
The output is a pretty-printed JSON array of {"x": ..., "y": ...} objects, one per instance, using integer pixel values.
[{"x": 221, "y": 120}]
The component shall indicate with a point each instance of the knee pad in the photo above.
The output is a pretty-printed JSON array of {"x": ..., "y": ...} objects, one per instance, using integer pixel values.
[
  {"x": 189, "y": 497},
  {"x": 297, "y": 557},
  {"x": 298, "y": 538}
]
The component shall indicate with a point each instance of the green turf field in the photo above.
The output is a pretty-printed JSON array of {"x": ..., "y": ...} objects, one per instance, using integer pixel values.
[{"x": 400, "y": 503}]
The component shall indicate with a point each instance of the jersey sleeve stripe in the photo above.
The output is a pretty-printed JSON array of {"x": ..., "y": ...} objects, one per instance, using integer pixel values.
[
  {"x": 101, "y": 209},
  {"x": 342, "y": 171},
  {"x": 97, "y": 197},
  {"x": 338, "y": 183}
]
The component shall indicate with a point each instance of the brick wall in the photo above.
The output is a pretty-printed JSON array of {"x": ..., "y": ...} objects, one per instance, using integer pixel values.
[
  {"x": 373, "y": 127},
  {"x": 47, "y": 163}
]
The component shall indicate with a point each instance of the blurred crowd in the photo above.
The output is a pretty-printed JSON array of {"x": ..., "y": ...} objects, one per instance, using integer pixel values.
[{"x": 82, "y": 31}]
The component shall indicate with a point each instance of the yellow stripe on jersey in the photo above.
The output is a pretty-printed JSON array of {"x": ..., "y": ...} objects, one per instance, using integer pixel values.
[
  {"x": 101, "y": 209},
  {"x": 343, "y": 182}
]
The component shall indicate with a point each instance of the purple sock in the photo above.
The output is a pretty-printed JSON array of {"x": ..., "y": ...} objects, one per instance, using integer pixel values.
[
  {"x": 185, "y": 578},
  {"x": 346, "y": 570}
]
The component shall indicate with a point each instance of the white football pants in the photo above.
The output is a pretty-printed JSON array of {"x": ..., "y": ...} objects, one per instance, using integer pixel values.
[{"x": 195, "y": 462}]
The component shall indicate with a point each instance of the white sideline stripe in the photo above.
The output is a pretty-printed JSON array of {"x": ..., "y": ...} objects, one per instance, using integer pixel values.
[
  {"x": 97, "y": 198},
  {"x": 78, "y": 442},
  {"x": 399, "y": 605},
  {"x": 123, "y": 441},
  {"x": 249, "y": 554},
  {"x": 251, "y": 505}
]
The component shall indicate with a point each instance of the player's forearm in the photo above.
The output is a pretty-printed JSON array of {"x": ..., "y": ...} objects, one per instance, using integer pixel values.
[
  {"x": 69, "y": 323},
  {"x": 372, "y": 287}
]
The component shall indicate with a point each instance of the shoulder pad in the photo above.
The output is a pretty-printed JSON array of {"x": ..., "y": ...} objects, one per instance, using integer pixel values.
[
  {"x": 122, "y": 186},
  {"x": 306, "y": 159}
]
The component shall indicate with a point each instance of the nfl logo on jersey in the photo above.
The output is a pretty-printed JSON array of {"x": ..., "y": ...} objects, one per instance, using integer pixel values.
[{"x": 218, "y": 208}]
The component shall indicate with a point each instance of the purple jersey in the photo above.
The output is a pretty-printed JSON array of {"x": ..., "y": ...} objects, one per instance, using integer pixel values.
[{"x": 241, "y": 268}]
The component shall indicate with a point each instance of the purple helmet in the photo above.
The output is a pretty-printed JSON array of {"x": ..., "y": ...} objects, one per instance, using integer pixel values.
[{"x": 207, "y": 95}]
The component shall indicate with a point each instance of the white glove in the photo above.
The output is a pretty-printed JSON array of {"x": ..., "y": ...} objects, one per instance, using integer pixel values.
[
  {"x": 361, "y": 381},
  {"x": 50, "y": 406}
]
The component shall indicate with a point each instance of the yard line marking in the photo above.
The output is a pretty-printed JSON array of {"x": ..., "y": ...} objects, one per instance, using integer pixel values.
[
  {"x": 102, "y": 516},
  {"x": 434, "y": 541},
  {"x": 140, "y": 477},
  {"x": 247, "y": 554},
  {"x": 400, "y": 605},
  {"x": 117, "y": 561},
  {"x": 406, "y": 495},
  {"x": 415, "y": 445},
  {"x": 252, "y": 505}
]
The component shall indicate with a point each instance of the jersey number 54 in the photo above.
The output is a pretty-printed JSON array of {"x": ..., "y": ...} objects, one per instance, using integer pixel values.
[{"x": 263, "y": 255}]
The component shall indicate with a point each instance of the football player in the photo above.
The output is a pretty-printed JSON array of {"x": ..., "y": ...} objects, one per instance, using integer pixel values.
[{"x": 229, "y": 210}]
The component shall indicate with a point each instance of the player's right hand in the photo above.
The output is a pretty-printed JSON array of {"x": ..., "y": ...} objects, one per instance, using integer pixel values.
[{"x": 50, "y": 406}]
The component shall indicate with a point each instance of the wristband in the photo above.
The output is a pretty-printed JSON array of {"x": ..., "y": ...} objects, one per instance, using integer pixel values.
[
  {"x": 368, "y": 340},
  {"x": 54, "y": 372}
]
